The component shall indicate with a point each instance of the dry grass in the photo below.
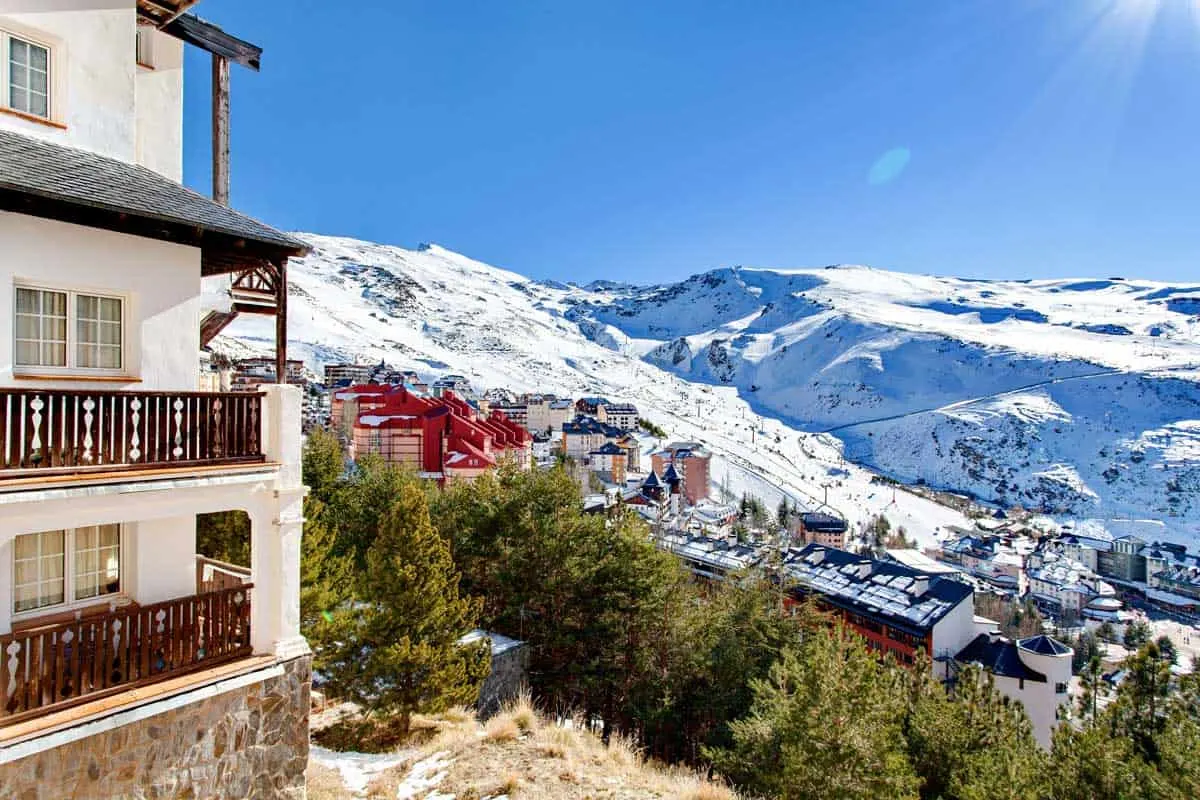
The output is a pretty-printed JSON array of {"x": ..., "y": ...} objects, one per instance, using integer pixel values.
[
  {"x": 520, "y": 755},
  {"x": 324, "y": 783}
]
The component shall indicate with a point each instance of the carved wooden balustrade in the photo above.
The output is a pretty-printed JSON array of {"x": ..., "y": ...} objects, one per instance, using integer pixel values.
[
  {"x": 56, "y": 666},
  {"x": 64, "y": 432}
]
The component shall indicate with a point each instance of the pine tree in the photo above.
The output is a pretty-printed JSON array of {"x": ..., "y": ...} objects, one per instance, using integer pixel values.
[
  {"x": 825, "y": 724},
  {"x": 325, "y": 579},
  {"x": 397, "y": 652},
  {"x": 323, "y": 464},
  {"x": 1137, "y": 633}
]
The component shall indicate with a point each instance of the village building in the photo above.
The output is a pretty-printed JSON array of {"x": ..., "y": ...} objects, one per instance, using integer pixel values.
[
  {"x": 902, "y": 611},
  {"x": 584, "y": 434},
  {"x": 337, "y": 375},
  {"x": 824, "y": 529},
  {"x": 608, "y": 463},
  {"x": 131, "y": 666},
  {"x": 691, "y": 461},
  {"x": 250, "y": 373},
  {"x": 622, "y": 415},
  {"x": 1035, "y": 672},
  {"x": 710, "y": 558},
  {"x": 1061, "y": 586},
  {"x": 444, "y": 437}
]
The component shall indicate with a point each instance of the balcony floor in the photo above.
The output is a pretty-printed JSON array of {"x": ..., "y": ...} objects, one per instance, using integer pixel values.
[{"x": 85, "y": 712}]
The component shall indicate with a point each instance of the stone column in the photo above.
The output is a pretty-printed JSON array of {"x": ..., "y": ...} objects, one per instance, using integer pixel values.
[{"x": 276, "y": 525}]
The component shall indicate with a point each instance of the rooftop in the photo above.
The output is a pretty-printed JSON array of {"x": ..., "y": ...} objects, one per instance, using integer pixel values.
[
  {"x": 883, "y": 589},
  {"x": 998, "y": 656},
  {"x": 73, "y": 185}
]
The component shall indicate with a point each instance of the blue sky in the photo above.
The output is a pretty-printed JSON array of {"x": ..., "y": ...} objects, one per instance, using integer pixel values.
[{"x": 645, "y": 141}]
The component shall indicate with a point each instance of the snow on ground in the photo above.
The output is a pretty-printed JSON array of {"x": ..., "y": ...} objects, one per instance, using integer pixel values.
[
  {"x": 1018, "y": 392},
  {"x": 357, "y": 769}
]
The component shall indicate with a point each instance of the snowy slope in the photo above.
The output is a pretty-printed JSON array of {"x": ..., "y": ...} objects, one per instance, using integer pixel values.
[
  {"x": 1077, "y": 397},
  {"x": 1074, "y": 396}
]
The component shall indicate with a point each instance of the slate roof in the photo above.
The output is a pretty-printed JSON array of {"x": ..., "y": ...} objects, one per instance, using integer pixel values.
[
  {"x": 998, "y": 656},
  {"x": 652, "y": 481},
  {"x": 81, "y": 178},
  {"x": 817, "y": 521},
  {"x": 1044, "y": 645},
  {"x": 884, "y": 590},
  {"x": 589, "y": 425},
  {"x": 608, "y": 449}
]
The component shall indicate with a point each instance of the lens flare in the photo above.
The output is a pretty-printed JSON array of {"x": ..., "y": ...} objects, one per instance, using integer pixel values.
[{"x": 889, "y": 166}]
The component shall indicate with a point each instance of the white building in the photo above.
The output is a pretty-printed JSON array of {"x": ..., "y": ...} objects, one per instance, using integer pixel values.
[
  {"x": 1035, "y": 672},
  {"x": 119, "y": 642}
]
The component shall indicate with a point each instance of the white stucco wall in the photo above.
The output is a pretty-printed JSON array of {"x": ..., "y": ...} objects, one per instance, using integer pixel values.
[
  {"x": 1040, "y": 700},
  {"x": 159, "y": 568},
  {"x": 101, "y": 100},
  {"x": 93, "y": 67},
  {"x": 159, "y": 104},
  {"x": 953, "y": 632},
  {"x": 161, "y": 282}
]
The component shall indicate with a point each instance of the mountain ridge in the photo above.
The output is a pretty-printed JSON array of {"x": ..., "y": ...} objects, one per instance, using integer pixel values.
[{"x": 993, "y": 388}]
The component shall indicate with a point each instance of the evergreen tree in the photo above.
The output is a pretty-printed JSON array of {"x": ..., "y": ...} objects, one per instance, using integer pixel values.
[
  {"x": 973, "y": 745},
  {"x": 826, "y": 723},
  {"x": 225, "y": 536},
  {"x": 325, "y": 579},
  {"x": 1137, "y": 633},
  {"x": 1140, "y": 710},
  {"x": 1166, "y": 649},
  {"x": 323, "y": 464},
  {"x": 396, "y": 651}
]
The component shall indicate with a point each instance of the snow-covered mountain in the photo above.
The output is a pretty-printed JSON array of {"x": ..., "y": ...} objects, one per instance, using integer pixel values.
[{"x": 1081, "y": 398}]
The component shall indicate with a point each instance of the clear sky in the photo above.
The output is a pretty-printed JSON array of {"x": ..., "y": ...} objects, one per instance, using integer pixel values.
[{"x": 645, "y": 141}]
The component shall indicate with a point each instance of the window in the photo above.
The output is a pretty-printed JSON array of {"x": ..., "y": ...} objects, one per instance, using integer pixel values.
[
  {"x": 38, "y": 570},
  {"x": 41, "y": 328},
  {"x": 53, "y": 568},
  {"x": 44, "y": 337},
  {"x": 1060, "y": 688},
  {"x": 144, "y": 52},
  {"x": 28, "y": 77}
]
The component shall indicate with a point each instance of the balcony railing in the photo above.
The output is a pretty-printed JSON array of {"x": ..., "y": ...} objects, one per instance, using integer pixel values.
[
  {"x": 57, "y": 666},
  {"x": 212, "y": 575},
  {"x": 47, "y": 432}
]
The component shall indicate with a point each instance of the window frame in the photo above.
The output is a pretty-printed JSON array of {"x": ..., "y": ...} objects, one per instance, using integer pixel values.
[
  {"x": 72, "y": 366},
  {"x": 29, "y": 42},
  {"x": 55, "y": 51},
  {"x": 70, "y": 601}
]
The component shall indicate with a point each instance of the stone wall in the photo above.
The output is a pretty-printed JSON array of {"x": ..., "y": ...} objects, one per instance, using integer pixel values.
[
  {"x": 509, "y": 675},
  {"x": 247, "y": 742}
]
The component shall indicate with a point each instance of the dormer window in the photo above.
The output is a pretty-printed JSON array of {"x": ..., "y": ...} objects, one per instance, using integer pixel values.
[{"x": 28, "y": 67}]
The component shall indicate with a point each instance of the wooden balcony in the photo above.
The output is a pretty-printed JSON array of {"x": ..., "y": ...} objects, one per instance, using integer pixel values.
[
  {"x": 49, "y": 668},
  {"x": 213, "y": 575},
  {"x": 54, "y": 432}
]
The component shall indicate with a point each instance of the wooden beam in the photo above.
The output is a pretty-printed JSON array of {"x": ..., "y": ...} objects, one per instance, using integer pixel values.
[
  {"x": 210, "y": 38},
  {"x": 281, "y": 300},
  {"x": 220, "y": 129}
]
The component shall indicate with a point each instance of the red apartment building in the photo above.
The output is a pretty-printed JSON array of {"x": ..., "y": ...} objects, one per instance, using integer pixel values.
[{"x": 443, "y": 437}]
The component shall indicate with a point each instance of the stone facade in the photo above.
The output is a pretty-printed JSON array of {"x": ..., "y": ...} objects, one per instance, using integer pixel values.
[
  {"x": 246, "y": 742},
  {"x": 509, "y": 675}
]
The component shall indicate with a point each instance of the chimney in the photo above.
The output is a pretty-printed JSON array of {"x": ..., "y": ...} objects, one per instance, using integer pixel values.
[{"x": 919, "y": 586}]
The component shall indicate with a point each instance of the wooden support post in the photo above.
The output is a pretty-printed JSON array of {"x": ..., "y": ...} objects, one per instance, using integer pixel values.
[
  {"x": 281, "y": 301},
  {"x": 220, "y": 129}
]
